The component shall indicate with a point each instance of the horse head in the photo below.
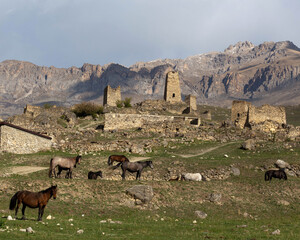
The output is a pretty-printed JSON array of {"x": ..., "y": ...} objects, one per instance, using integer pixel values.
[
  {"x": 78, "y": 159},
  {"x": 54, "y": 191},
  {"x": 150, "y": 164}
]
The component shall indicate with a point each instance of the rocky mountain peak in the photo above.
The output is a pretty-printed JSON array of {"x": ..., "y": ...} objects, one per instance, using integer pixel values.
[{"x": 240, "y": 47}]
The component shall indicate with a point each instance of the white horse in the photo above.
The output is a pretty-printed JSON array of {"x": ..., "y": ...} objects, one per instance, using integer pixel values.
[{"x": 191, "y": 176}]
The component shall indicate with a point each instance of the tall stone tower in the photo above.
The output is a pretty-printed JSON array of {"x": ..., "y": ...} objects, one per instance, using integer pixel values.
[
  {"x": 111, "y": 96},
  {"x": 192, "y": 102},
  {"x": 172, "y": 88}
]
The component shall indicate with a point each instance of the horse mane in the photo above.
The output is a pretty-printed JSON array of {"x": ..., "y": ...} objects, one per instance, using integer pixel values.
[{"x": 48, "y": 189}]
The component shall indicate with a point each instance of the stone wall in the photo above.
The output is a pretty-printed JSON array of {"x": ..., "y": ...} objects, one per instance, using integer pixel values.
[
  {"x": 114, "y": 121},
  {"x": 32, "y": 111},
  {"x": 111, "y": 96},
  {"x": 17, "y": 141},
  {"x": 192, "y": 103},
  {"x": 172, "y": 88},
  {"x": 244, "y": 114}
]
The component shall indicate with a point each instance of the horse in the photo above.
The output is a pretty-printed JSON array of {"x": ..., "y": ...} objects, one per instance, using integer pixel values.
[
  {"x": 63, "y": 164},
  {"x": 117, "y": 158},
  {"x": 275, "y": 174},
  {"x": 135, "y": 167},
  {"x": 191, "y": 177},
  {"x": 94, "y": 175},
  {"x": 32, "y": 200}
]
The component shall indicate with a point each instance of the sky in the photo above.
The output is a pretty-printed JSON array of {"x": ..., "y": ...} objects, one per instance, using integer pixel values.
[{"x": 65, "y": 33}]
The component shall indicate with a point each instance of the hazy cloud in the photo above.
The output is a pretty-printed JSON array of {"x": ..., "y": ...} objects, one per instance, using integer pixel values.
[{"x": 64, "y": 33}]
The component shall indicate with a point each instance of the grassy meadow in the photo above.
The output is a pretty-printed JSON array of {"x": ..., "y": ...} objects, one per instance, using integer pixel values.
[{"x": 250, "y": 208}]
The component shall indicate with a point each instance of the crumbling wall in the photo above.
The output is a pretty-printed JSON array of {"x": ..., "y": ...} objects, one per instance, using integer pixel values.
[
  {"x": 32, "y": 111},
  {"x": 192, "y": 103},
  {"x": 244, "y": 114},
  {"x": 111, "y": 96},
  {"x": 172, "y": 87},
  {"x": 114, "y": 121}
]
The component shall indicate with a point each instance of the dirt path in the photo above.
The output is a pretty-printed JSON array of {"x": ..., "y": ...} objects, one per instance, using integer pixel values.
[
  {"x": 22, "y": 170},
  {"x": 202, "y": 152}
]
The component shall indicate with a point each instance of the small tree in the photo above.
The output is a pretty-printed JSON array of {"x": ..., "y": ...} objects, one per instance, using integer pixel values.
[
  {"x": 87, "y": 109},
  {"x": 119, "y": 103}
]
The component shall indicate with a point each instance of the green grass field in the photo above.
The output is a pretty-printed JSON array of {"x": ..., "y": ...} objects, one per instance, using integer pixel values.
[{"x": 249, "y": 207}]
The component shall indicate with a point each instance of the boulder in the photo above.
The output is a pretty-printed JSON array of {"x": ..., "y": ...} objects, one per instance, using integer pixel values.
[
  {"x": 235, "y": 171},
  {"x": 141, "y": 192},
  {"x": 215, "y": 197},
  {"x": 201, "y": 214},
  {"x": 282, "y": 164},
  {"x": 248, "y": 144}
]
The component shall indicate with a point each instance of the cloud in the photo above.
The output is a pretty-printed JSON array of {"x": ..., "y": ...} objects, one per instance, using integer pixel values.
[{"x": 65, "y": 33}]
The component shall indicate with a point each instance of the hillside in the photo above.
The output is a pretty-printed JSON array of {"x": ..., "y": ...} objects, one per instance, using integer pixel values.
[{"x": 267, "y": 73}]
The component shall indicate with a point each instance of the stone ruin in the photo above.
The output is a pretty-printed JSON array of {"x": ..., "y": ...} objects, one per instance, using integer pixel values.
[
  {"x": 111, "y": 96},
  {"x": 192, "y": 104},
  {"x": 270, "y": 118},
  {"x": 172, "y": 88}
]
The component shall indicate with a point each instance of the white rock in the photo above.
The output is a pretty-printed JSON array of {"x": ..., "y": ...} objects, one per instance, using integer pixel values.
[
  {"x": 276, "y": 232},
  {"x": 71, "y": 220},
  {"x": 22, "y": 230},
  {"x": 225, "y": 155},
  {"x": 80, "y": 231},
  {"x": 49, "y": 217},
  {"x": 29, "y": 230},
  {"x": 9, "y": 218}
]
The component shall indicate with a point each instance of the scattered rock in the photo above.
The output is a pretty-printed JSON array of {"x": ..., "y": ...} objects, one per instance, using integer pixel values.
[
  {"x": 215, "y": 197},
  {"x": 80, "y": 231},
  {"x": 282, "y": 164},
  {"x": 141, "y": 192},
  {"x": 276, "y": 232},
  {"x": 22, "y": 230},
  {"x": 235, "y": 171},
  {"x": 29, "y": 230},
  {"x": 201, "y": 214},
  {"x": 283, "y": 202},
  {"x": 49, "y": 217},
  {"x": 9, "y": 218},
  {"x": 248, "y": 144}
]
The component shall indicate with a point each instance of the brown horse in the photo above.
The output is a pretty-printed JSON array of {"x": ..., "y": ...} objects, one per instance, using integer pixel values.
[
  {"x": 275, "y": 174},
  {"x": 116, "y": 158},
  {"x": 63, "y": 164},
  {"x": 94, "y": 175},
  {"x": 32, "y": 200}
]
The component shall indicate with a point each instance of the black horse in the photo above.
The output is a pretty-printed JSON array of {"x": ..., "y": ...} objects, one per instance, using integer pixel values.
[
  {"x": 275, "y": 174},
  {"x": 135, "y": 167},
  {"x": 94, "y": 175}
]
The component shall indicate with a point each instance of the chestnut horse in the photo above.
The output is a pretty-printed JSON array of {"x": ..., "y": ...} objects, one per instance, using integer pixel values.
[
  {"x": 63, "y": 164},
  {"x": 116, "y": 158},
  {"x": 32, "y": 200}
]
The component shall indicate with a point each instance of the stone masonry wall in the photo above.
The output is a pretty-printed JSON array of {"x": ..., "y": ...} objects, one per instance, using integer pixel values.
[
  {"x": 192, "y": 102},
  {"x": 172, "y": 88},
  {"x": 114, "y": 121},
  {"x": 16, "y": 141},
  {"x": 239, "y": 113},
  {"x": 111, "y": 96}
]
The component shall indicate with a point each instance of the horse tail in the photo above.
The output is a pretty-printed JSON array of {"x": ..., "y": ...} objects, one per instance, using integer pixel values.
[
  {"x": 119, "y": 164},
  {"x": 109, "y": 162},
  {"x": 50, "y": 169},
  {"x": 13, "y": 201}
]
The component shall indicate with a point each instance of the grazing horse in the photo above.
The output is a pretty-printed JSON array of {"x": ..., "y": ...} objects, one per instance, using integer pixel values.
[
  {"x": 63, "y": 164},
  {"x": 32, "y": 200},
  {"x": 94, "y": 175},
  {"x": 117, "y": 158},
  {"x": 135, "y": 167},
  {"x": 275, "y": 174}
]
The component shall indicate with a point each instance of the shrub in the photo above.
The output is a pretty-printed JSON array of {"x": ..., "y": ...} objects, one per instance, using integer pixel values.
[
  {"x": 119, "y": 103},
  {"x": 87, "y": 109},
  {"x": 127, "y": 103},
  {"x": 47, "y": 105}
]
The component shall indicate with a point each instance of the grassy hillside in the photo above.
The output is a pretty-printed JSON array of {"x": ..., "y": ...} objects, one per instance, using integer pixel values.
[{"x": 250, "y": 208}]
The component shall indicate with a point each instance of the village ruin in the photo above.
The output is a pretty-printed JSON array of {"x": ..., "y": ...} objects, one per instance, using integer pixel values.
[{"x": 111, "y": 96}]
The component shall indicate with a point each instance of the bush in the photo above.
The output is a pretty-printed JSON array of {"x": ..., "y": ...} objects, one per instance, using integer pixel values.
[
  {"x": 127, "y": 103},
  {"x": 119, "y": 103},
  {"x": 47, "y": 106},
  {"x": 87, "y": 109}
]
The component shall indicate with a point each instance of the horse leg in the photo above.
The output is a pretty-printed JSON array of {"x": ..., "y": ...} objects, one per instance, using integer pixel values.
[
  {"x": 70, "y": 173},
  {"x": 41, "y": 212},
  {"x": 23, "y": 212},
  {"x": 123, "y": 174},
  {"x": 138, "y": 174},
  {"x": 17, "y": 208}
]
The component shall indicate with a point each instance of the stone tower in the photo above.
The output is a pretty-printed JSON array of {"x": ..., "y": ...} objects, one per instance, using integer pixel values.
[
  {"x": 192, "y": 102},
  {"x": 111, "y": 96},
  {"x": 172, "y": 88}
]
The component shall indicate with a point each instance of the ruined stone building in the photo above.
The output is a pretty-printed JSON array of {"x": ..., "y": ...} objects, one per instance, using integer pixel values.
[
  {"x": 192, "y": 103},
  {"x": 244, "y": 114},
  {"x": 172, "y": 88},
  {"x": 111, "y": 96},
  {"x": 15, "y": 139}
]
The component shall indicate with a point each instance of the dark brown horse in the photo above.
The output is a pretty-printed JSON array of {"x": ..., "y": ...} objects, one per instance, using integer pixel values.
[
  {"x": 32, "y": 200},
  {"x": 275, "y": 174},
  {"x": 94, "y": 175},
  {"x": 135, "y": 167},
  {"x": 63, "y": 164},
  {"x": 116, "y": 158}
]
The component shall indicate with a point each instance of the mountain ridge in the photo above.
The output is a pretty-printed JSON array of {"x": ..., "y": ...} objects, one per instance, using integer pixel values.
[{"x": 241, "y": 71}]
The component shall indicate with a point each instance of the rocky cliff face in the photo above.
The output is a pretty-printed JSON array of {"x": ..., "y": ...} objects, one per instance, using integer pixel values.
[{"x": 267, "y": 73}]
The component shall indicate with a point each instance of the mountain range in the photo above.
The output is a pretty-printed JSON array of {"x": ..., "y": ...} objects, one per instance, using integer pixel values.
[{"x": 267, "y": 73}]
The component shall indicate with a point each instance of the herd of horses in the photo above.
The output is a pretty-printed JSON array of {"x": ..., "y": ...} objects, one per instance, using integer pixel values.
[{"x": 40, "y": 199}]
